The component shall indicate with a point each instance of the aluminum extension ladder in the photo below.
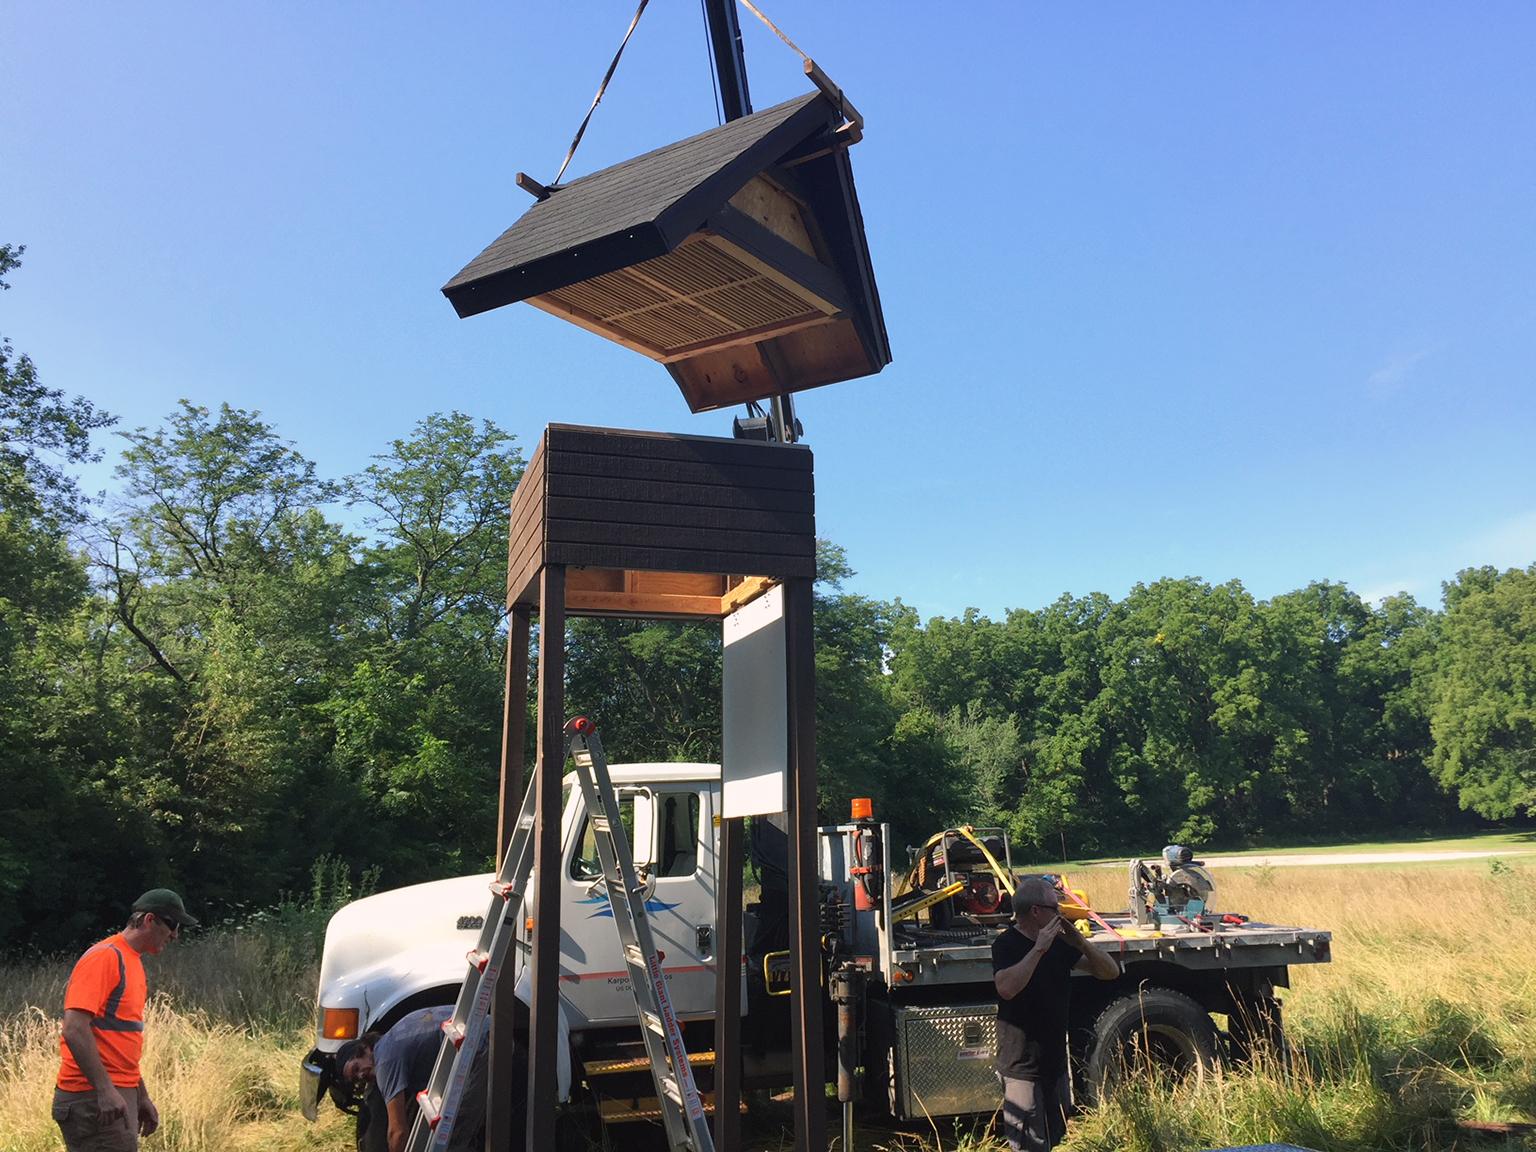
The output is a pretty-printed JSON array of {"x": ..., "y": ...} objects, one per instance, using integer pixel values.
[{"x": 682, "y": 1111}]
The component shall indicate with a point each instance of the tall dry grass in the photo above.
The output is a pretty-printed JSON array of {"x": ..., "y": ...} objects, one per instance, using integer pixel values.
[
  {"x": 229, "y": 1018},
  {"x": 1424, "y": 1017}
]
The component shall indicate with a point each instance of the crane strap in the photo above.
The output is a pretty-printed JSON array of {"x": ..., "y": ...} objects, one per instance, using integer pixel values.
[
  {"x": 601, "y": 88},
  {"x": 919, "y": 873}
]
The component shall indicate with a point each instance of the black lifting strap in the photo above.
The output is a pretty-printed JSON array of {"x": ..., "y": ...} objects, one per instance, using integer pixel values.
[{"x": 601, "y": 88}]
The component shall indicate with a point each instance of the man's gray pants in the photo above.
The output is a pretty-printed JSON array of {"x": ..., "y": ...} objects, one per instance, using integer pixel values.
[
  {"x": 79, "y": 1119},
  {"x": 1035, "y": 1113}
]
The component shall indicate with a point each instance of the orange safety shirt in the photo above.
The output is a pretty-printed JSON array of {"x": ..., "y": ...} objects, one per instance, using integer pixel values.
[{"x": 108, "y": 982}]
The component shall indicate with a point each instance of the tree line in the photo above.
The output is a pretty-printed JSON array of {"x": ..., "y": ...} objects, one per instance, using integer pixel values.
[{"x": 231, "y": 666}]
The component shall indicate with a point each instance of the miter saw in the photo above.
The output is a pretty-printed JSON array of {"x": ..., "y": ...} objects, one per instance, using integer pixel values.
[{"x": 1174, "y": 892}]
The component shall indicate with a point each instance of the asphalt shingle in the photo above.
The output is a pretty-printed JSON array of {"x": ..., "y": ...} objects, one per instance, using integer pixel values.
[{"x": 631, "y": 195}]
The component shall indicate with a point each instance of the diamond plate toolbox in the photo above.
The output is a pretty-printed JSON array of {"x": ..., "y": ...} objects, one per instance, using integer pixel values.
[{"x": 944, "y": 1060}]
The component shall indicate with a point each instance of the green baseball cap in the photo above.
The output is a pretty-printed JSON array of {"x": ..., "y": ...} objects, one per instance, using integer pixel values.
[{"x": 167, "y": 905}]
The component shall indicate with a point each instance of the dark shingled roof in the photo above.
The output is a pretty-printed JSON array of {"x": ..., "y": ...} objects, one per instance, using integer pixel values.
[{"x": 632, "y": 211}]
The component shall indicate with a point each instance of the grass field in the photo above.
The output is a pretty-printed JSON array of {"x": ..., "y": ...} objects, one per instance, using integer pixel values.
[{"x": 1426, "y": 1016}]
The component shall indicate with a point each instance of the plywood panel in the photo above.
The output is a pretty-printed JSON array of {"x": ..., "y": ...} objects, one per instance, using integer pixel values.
[
  {"x": 621, "y": 537},
  {"x": 682, "y": 560}
]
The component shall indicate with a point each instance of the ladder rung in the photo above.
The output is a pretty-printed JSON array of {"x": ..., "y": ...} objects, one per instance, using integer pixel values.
[
  {"x": 669, "y": 1086},
  {"x": 646, "y": 1108},
  {"x": 638, "y": 1064},
  {"x": 503, "y": 888},
  {"x": 455, "y": 1032},
  {"x": 477, "y": 959},
  {"x": 431, "y": 1110},
  {"x": 634, "y": 955},
  {"x": 653, "y": 1022}
]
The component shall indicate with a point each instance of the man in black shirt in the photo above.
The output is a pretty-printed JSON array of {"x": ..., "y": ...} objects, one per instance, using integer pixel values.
[{"x": 1032, "y": 963}]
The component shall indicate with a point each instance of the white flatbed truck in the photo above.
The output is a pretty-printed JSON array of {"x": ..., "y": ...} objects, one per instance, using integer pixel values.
[{"x": 918, "y": 1003}]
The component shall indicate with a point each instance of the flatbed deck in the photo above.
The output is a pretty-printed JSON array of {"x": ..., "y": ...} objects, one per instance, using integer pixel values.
[{"x": 945, "y": 961}]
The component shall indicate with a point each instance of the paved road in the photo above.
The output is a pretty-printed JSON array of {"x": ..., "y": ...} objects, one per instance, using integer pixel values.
[{"x": 1288, "y": 861}]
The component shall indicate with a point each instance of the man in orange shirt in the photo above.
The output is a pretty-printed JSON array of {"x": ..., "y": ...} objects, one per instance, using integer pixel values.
[{"x": 101, "y": 1103}]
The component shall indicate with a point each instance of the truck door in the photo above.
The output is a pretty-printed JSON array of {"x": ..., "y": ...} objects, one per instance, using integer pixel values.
[
  {"x": 677, "y": 866},
  {"x": 682, "y": 904}
]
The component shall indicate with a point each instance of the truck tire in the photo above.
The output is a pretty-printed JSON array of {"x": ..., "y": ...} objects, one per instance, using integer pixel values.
[{"x": 1155, "y": 1025}]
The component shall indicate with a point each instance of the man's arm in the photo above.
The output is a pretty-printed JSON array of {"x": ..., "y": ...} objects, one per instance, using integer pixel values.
[
  {"x": 1014, "y": 979},
  {"x": 398, "y": 1131},
  {"x": 82, "y": 1046},
  {"x": 1100, "y": 963}
]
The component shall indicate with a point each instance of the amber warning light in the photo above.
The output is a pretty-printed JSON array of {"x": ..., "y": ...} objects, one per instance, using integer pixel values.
[
  {"x": 863, "y": 808},
  {"x": 339, "y": 1023}
]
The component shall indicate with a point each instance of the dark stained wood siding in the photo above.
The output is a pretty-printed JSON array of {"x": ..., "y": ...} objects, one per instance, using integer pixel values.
[{"x": 647, "y": 501}]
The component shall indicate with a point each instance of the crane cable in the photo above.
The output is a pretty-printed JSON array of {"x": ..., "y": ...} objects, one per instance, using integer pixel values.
[
  {"x": 601, "y": 88},
  {"x": 607, "y": 76}
]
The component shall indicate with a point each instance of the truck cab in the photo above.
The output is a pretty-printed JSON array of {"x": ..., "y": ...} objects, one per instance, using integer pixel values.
[{"x": 391, "y": 953}]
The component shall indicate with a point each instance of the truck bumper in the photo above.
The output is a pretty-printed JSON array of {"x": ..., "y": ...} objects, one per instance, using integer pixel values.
[{"x": 314, "y": 1073}]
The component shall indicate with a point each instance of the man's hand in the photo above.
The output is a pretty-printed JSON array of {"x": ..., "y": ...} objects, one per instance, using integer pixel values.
[
  {"x": 110, "y": 1106},
  {"x": 1069, "y": 933},
  {"x": 149, "y": 1115},
  {"x": 1047, "y": 935}
]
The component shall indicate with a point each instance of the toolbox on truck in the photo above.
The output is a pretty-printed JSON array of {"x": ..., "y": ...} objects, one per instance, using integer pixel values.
[{"x": 944, "y": 1057}]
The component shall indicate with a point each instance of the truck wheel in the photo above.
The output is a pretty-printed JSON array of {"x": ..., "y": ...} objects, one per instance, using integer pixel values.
[{"x": 1157, "y": 1027}]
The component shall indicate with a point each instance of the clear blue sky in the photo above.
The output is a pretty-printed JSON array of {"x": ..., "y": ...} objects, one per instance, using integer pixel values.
[{"x": 1217, "y": 290}]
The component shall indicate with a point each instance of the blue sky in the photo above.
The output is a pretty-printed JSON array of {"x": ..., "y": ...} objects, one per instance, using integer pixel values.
[{"x": 1222, "y": 290}]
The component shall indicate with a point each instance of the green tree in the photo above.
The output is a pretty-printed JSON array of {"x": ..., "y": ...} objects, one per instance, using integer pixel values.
[
  {"x": 232, "y": 594},
  {"x": 1483, "y": 711},
  {"x": 56, "y": 842},
  {"x": 418, "y": 712}
]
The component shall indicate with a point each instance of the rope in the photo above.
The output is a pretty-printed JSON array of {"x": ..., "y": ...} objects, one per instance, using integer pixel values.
[
  {"x": 601, "y": 88},
  {"x": 752, "y": 8},
  {"x": 969, "y": 833},
  {"x": 1092, "y": 915}
]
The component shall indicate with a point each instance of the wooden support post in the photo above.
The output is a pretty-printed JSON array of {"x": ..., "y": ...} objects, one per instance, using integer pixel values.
[
  {"x": 544, "y": 1032},
  {"x": 804, "y": 906},
  {"x": 728, "y": 987},
  {"x": 514, "y": 725}
]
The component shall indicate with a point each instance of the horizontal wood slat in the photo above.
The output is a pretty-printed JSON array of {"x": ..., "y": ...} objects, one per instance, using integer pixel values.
[
  {"x": 685, "y": 495},
  {"x": 664, "y": 446},
  {"x": 632, "y": 468},
  {"x": 681, "y": 515},
  {"x": 651, "y": 605}
]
